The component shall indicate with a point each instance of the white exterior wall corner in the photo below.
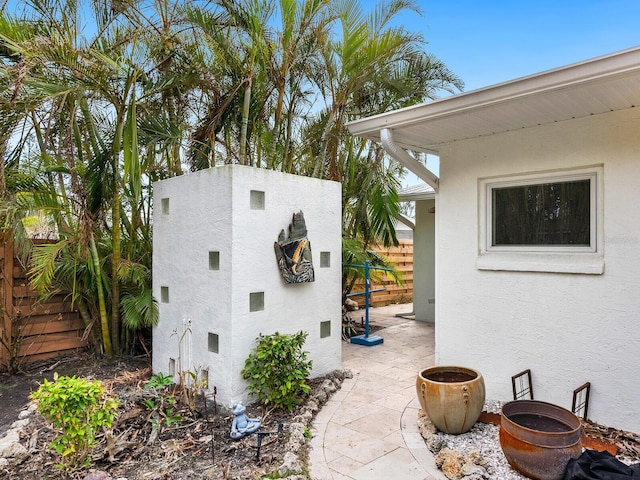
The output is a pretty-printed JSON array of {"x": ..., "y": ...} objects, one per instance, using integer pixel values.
[
  {"x": 423, "y": 262},
  {"x": 567, "y": 328},
  {"x": 210, "y": 211}
]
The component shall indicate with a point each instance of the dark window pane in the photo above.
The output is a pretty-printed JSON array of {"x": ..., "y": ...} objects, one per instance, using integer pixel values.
[{"x": 542, "y": 214}]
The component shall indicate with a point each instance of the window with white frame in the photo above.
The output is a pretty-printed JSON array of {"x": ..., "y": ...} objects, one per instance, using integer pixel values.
[{"x": 523, "y": 218}]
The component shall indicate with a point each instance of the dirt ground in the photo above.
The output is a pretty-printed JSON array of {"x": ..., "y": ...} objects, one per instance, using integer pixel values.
[
  {"x": 15, "y": 389},
  {"x": 197, "y": 446}
]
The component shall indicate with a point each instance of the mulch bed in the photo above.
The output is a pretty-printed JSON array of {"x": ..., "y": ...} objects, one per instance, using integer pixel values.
[{"x": 197, "y": 446}]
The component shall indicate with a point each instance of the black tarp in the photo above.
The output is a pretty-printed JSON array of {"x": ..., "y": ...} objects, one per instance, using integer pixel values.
[{"x": 594, "y": 465}]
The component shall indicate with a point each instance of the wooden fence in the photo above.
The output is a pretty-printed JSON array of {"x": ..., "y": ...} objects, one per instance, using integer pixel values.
[
  {"x": 33, "y": 330},
  {"x": 402, "y": 259}
]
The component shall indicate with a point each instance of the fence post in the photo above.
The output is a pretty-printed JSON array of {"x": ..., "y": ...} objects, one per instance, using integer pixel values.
[{"x": 6, "y": 290}]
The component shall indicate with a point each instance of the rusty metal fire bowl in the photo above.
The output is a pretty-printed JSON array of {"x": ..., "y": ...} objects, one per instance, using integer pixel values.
[{"x": 539, "y": 438}]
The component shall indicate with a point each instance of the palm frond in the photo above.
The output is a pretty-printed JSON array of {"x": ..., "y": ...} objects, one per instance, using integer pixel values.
[
  {"x": 139, "y": 309},
  {"x": 43, "y": 264}
]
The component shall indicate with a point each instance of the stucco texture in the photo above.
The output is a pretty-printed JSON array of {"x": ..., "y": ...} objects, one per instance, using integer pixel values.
[
  {"x": 568, "y": 328},
  {"x": 210, "y": 211}
]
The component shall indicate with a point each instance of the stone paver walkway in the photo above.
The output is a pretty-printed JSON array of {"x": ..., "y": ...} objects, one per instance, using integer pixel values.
[{"x": 368, "y": 429}]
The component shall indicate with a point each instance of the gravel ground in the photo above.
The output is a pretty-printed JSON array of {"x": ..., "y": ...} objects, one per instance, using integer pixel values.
[{"x": 484, "y": 439}]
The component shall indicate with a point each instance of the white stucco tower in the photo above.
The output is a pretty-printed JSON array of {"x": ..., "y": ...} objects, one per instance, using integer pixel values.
[{"x": 216, "y": 277}]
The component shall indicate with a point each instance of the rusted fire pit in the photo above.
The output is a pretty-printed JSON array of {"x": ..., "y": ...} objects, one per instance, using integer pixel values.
[{"x": 539, "y": 438}]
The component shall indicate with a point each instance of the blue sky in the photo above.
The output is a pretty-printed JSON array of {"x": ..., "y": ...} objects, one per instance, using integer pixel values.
[
  {"x": 492, "y": 41},
  {"x": 488, "y": 42}
]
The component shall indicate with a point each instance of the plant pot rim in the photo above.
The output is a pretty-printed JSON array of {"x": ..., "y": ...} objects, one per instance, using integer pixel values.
[
  {"x": 449, "y": 368},
  {"x": 540, "y": 437}
]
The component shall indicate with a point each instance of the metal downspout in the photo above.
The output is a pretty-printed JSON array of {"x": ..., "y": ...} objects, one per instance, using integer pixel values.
[{"x": 413, "y": 165}]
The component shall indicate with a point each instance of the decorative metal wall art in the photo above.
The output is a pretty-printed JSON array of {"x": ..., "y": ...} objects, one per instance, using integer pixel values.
[{"x": 293, "y": 252}]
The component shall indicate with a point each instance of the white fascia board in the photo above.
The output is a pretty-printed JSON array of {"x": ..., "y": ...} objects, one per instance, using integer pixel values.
[{"x": 414, "y": 197}]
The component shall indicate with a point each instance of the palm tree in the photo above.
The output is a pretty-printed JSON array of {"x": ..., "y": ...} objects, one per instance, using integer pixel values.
[
  {"x": 238, "y": 52},
  {"x": 78, "y": 99},
  {"x": 371, "y": 68},
  {"x": 39, "y": 61},
  {"x": 304, "y": 29},
  {"x": 99, "y": 100}
]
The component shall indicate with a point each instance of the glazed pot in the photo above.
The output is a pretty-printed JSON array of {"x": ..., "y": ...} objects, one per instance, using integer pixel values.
[
  {"x": 539, "y": 438},
  {"x": 451, "y": 396}
]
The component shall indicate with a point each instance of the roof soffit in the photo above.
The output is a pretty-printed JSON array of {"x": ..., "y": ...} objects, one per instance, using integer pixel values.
[{"x": 593, "y": 87}]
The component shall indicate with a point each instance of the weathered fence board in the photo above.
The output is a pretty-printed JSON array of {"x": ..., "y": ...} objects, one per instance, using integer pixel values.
[
  {"x": 402, "y": 259},
  {"x": 6, "y": 292},
  {"x": 31, "y": 329}
]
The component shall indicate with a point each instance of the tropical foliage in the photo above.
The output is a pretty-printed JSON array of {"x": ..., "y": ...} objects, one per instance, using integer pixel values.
[
  {"x": 99, "y": 99},
  {"x": 276, "y": 370},
  {"x": 79, "y": 408}
]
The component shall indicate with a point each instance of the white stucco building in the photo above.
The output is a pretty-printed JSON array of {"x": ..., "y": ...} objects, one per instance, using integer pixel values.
[
  {"x": 564, "y": 304},
  {"x": 424, "y": 285},
  {"x": 217, "y": 280}
]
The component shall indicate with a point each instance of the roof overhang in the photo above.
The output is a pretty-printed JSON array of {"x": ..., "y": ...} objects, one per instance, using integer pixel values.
[
  {"x": 604, "y": 84},
  {"x": 416, "y": 192}
]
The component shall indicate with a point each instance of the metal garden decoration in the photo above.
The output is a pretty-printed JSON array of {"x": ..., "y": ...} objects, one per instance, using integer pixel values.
[{"x": 293, "y": 252}]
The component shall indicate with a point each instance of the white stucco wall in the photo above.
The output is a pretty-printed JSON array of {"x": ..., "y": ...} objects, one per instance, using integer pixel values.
[
  {"x": 567, "y": 328},
  {"x": 210, "y": 210},
  {"x": 424, "y": 262}
]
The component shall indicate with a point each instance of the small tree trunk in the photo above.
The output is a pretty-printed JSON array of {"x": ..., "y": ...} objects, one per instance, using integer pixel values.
[
  {"x": 104, "y": 318},
  {"x": 245, "y": 123}
]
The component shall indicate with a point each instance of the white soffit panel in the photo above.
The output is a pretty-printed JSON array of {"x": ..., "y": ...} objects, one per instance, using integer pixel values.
[{"x": 592, "y": 87}]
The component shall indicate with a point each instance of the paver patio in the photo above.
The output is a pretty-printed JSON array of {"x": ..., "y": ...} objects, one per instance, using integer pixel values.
[{"x": 368, "y": 429}]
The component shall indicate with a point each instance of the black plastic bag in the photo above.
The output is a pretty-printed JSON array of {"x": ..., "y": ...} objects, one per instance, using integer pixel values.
[{"x": 594, "y": 465}]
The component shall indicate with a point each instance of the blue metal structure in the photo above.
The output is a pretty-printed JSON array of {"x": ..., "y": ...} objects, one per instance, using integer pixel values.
[{"x": 366, "y": 339}]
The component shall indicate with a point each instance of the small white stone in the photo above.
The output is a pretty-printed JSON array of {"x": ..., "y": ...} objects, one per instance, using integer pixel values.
[
  {"x": 470, "y": 469},
  {"x": 328, "y": 386},
  {"x": 24, "y": 414},
  {"x": 20, "y": 424},
  {"x": 6, "y": 443},
  {"x": 290, "y": 464}
]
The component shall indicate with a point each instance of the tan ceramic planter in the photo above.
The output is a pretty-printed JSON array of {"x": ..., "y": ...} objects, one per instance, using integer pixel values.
[{"x": 451, "y": 396}]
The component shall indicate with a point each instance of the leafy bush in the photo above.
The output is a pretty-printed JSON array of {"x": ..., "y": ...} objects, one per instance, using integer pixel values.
[
  {"x": 277, "y": 370},
  {"x": 79, "y": 408}
]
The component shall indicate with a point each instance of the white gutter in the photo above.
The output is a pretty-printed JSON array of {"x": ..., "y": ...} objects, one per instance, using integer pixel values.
[{"x": 386, "y": 138}]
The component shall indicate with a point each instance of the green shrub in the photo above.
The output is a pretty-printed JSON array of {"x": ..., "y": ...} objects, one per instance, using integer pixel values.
[
  {"x": 79, "y": 408},
  {"x": 163, "y": 402},
  {"x": 277, "y": 370}
]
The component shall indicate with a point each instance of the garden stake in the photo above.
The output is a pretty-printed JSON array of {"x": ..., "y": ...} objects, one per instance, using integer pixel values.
[
  {"x": 206, "y": 416},
  {"x": 262, "y": 434}
]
